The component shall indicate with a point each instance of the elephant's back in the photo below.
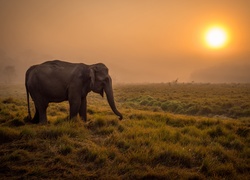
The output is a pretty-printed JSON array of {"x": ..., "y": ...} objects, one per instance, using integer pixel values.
[
  {"x": 58, "y": 64},
  {"x": 52, "y": 71}
]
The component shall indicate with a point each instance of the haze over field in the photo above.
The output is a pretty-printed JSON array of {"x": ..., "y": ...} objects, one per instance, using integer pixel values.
[{"x": 140, "y": 41}]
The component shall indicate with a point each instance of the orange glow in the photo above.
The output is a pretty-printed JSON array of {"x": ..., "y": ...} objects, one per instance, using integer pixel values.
[
  {"x": 139, "y": 41},
  {"x": 216, "y": 37}
]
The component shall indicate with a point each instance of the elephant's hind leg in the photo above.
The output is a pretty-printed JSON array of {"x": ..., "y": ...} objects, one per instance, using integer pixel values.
[
  {"x": 43, "y": 115},
  {"x": 41, "y": 108}
]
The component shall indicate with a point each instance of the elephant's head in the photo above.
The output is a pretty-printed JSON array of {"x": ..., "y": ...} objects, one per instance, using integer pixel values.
[{"x": 101, "y": 82}]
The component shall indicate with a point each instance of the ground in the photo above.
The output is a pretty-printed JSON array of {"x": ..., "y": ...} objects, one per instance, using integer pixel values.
[{"x": 169, "y": 131}]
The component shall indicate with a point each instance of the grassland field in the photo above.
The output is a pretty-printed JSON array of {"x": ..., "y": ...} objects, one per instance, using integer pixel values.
[{"x": 169, "y": 131}]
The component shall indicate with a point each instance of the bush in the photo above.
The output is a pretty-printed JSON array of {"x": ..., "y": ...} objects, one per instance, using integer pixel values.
[
  {"x": 144, "y": 102},
  {"x": 194, "y": 109},
  {"x": 164, "y": 106},
  {"x": 172, "y": 106}
]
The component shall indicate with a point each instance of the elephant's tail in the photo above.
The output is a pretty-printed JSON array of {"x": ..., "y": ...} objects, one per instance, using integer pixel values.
[{"x": 28, "y": 101}]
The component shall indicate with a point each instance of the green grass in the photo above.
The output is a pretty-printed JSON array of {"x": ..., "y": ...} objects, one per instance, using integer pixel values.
[{"x": 182, "y": 131}]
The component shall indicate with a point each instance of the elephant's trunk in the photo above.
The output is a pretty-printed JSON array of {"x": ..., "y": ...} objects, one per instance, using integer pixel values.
[{"x": 110, "y": 97}]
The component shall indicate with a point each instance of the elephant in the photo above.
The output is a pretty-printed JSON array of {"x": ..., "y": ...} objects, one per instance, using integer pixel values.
[{"x": 57, "y": 81}]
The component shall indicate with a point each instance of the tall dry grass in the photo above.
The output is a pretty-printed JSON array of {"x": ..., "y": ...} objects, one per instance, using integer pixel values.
[{"x": 159, "y": 138}]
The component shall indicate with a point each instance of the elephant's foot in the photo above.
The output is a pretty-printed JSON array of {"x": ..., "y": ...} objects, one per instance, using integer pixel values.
[
  {"x": 35, "y": 121},
  {"x": 43, "y": 122}
]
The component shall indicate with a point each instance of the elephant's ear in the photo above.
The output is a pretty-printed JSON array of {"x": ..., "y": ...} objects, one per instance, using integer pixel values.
[{"x": 92, "y": 77}]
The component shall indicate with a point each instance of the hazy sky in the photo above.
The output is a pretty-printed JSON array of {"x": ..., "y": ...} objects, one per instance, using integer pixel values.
[{"x": 139, "y": 40}]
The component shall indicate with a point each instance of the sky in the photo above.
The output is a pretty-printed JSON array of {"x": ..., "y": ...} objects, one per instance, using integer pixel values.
[{"x": 140, "y": 41}]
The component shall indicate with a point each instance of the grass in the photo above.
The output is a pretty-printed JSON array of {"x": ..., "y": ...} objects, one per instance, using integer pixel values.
[{"x": 182, "y": 131}]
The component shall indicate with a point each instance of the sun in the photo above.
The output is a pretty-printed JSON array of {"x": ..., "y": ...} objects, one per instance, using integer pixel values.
[{"x": 216, "y": 37}]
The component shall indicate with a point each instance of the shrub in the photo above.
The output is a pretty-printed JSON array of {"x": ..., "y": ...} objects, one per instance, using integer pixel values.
[
  {"x": 156, "y": 103},
  {"x": 172, "y": 106},
  {"x": 192, "y": 110},
  {"x": 164, "y": 106},
  {"x": 144, "y": 102}
]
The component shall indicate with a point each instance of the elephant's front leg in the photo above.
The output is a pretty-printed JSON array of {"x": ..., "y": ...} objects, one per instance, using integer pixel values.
[
  {"x": 74, "y": 107},
  {"x": 83, "y": 109}
]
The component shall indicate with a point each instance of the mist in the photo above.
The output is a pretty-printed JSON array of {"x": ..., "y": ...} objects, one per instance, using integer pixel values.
[
  {"x": 227, "y": 72},
  {"x": 140, "y": 42}
]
